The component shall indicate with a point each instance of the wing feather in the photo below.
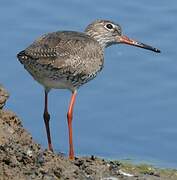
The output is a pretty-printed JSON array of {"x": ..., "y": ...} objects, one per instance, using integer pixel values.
[{"x": 65, "y": 50}]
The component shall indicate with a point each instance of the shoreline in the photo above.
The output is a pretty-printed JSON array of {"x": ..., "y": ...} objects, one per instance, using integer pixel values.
[{"x": 22, "y": 158}]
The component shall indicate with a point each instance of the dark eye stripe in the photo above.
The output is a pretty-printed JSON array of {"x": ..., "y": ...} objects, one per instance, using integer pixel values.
[{"x": 109, "y": 26}]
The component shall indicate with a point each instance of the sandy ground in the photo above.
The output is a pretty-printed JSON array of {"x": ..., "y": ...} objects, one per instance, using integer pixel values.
[{"x": 23, "y": 159}]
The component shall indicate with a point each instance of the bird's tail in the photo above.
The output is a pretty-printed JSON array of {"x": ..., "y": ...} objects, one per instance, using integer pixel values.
[{"x": 22, "y": 56}]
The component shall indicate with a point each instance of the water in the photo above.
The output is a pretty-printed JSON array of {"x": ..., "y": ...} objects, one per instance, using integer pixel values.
[{"x": 129, "y": 111}]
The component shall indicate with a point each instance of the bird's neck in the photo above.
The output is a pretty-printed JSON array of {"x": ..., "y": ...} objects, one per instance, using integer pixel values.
[{"x": 98, "y": 37}]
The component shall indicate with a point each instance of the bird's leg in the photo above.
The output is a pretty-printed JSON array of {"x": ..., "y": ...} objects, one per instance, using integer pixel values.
[
  {"x": 46, "y": 117},
  {"x": 70, "y": 117}
]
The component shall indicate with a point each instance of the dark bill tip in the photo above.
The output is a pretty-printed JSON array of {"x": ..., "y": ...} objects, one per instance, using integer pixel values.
[
  {"x": 145, "y": 46},
  {"x": 126, "y": 40}
]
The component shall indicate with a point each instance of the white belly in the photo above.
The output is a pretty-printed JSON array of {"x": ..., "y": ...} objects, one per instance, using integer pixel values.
[{"x": 55, "y": 84}]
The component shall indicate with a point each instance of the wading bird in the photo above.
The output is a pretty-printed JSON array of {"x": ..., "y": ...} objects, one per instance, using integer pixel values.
[{"x": 69, "y": 59}]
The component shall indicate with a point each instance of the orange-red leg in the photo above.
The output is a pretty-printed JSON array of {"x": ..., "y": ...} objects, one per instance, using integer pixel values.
[
  {"x": 70, "y": 117},
  {"x": 46, "y": 117}
]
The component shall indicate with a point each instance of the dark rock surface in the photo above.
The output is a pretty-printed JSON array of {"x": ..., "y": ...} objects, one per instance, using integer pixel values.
[{"x": 23, "y": 159}]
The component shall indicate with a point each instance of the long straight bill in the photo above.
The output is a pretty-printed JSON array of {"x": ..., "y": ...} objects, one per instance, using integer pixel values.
[{"x": 126, "y": 40}]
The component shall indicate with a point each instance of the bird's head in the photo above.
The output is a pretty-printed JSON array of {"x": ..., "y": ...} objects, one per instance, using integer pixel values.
[{"x": 108, "y": 33}]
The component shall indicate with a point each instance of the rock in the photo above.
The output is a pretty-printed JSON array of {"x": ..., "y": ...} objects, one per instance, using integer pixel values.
[{"x": 3, "y": 96}]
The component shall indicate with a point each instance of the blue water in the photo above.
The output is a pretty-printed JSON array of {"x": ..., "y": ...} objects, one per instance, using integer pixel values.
[{"x": 130, "y": 110}]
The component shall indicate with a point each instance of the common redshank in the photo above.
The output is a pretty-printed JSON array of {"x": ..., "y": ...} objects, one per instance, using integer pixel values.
[{"x": 69, "y": 59}]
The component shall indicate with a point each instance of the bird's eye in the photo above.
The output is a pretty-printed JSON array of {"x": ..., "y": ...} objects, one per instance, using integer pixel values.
[{"x": 109, "y": 26}]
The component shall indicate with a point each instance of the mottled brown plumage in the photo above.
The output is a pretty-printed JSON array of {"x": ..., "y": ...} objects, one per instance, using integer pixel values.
[
  {"x": 68, "y": 59},
  {"x": 52, "y": 59}
]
